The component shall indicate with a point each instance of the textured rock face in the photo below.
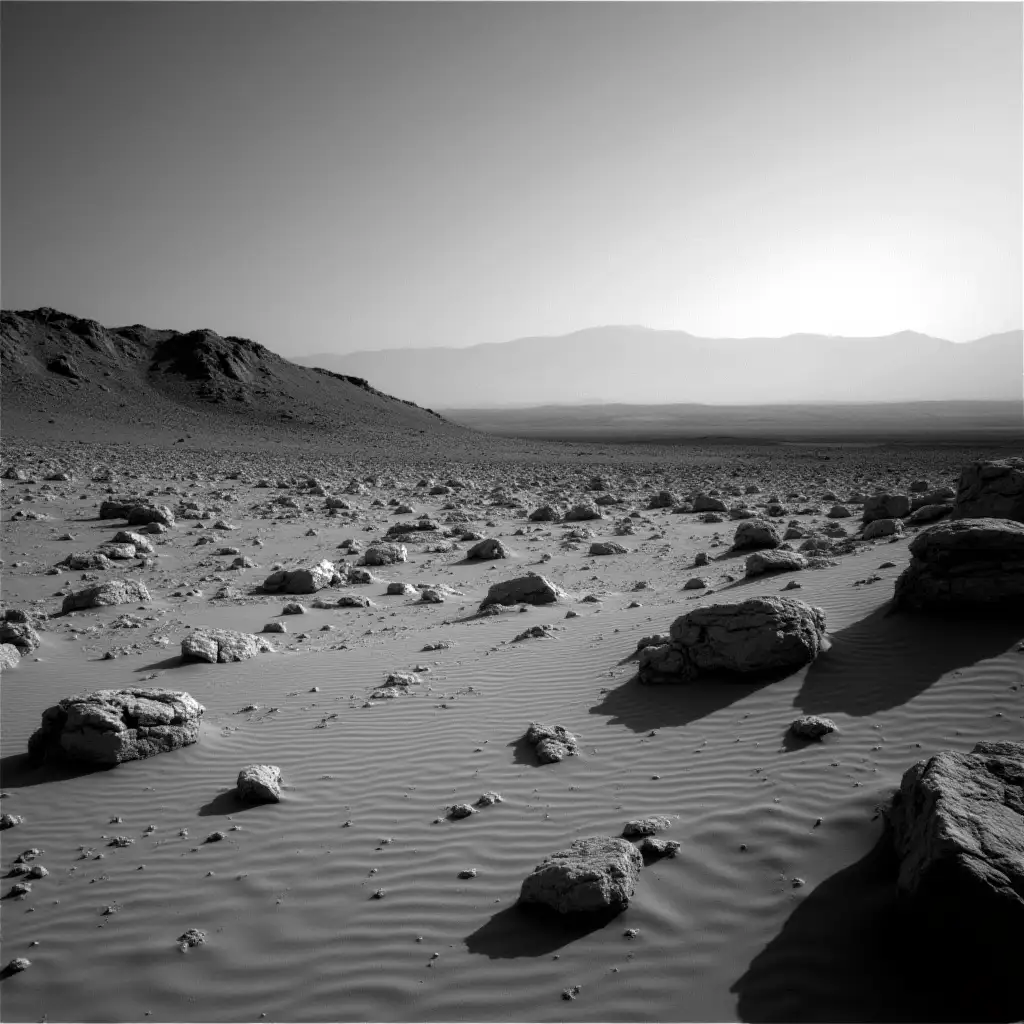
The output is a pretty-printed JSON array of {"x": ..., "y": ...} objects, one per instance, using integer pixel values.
[
  {"x": 774, "y": 561},
  {"x": 139, "y": 542},
  {"x": 579, "y": 513},
  {"x": 544, "y": 514},
  {"x": 488, "y": 548},
  {"x": 596, "y": 875},
  {"x": 965, "y": 564},
  {"x": 886, "y": 506},
  {"x": 707, "y": 503},
  {"x": 223, "y": 645},
  {"x": 9, "y": 657},
  {"x": 811, "y": 727},
  {"x": 111, "y": 593},
  {"x": 531, "y": 589},
  {"x": 140, "y": 515},
  {"x": 385, "y": 554},
  {"x": 929, "y": 513},
  {"x": 111, "y": 726},
  {"x": 762, "y": 634},
  {"x": 991, "y": 489},
  {"x": 756, "y": 533},
  {"x": 552, "y": 743},
  {"x": 20, "y": 635},
  {"x": 663, "y": 499},
  {"x": 307, "y": 580},
  {"x": 645, "y": 826},
  {"x": 118, "y": 508},
  {"x": 87, "y": 560},
  {"x": 957, "y": 825},
  {"x": 607, "y": 547},
  {"x": 260, "y": 783},
  {"x": 883, "y": 528}
]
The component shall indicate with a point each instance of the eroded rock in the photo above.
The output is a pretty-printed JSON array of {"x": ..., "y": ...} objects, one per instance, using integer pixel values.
[{"x": 223, "y": 645}]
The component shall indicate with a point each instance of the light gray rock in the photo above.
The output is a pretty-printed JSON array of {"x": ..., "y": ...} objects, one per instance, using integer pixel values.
[
  {"x": 886, "y": 506},
  {"x": 594, "y": 876},
  {"x": 530, "y": 589},
  {"x": 402, "y": 589},
  {"x": 118, "y": 552},
  {"x": 113, "y": 592},
  {"x": 85, "y": 560},
  {"x": 774, "y": 561},
  {"x": 137, "y": 541},
  {"x": 259, "y": 783},
  {"x": 305, "y": 580},
  {"x": 646, "y": 826},
  {"x": 552, "y": 743},
  {"x": 757, "y": 636},
  {"x": 111, "y": 726},
  {"x": 991, "y": 489},
  {"x": 223, "y": 645},
  {"x": 756, "y": 533},
  {"x": 10, "y": 656},
  {"x": 488, "y": 548},
  {"x": 965, "y": 565}
]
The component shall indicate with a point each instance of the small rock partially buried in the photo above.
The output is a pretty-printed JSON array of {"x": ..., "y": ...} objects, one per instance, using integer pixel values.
[
  {"x": 594, "y": 876},
  {"x": 259, "y": 783}
]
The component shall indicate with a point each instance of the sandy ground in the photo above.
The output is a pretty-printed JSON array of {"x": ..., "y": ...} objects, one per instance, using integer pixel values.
[{"x": 776, "y": 907}]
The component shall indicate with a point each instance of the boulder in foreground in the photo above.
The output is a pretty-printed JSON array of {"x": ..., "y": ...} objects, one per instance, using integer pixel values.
[
  {"x": 305, "y": 580},
  {"x": 774, "y": 561},
  {"x": 957, "y": 826},
  {"x": 488, "y": 548},
  {"x": 759, "y": 635},
  {"x": 530, "y": 589},
  {"x": 260, "y": 783},
  {"x": 111, "y": 726},
  {"x": 594, "y": 876},
  {"x": 886, "y": 506},
  {"x": 105, "y": 594},
  {"x": 223, "y": 645},
  {"x": 991, "y": 489},
  {"x": 965, "y": 565},
  {"x": 756, "y": 533}
]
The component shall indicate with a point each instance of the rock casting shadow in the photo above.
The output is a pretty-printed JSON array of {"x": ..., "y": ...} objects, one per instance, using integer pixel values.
[
  {"x": 848, "y": 953},
  {"x": 174, "y": 662},
  {"x": 19, "y": 770},
  {"x": 517, "y": 932},
  {"x": 524, "y": 752},
  {"x": 225, "y": 803},
  {"x": 889, "y": 658}
]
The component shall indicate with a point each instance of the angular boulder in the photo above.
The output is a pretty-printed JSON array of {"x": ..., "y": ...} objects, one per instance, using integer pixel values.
[
  {"x": 757, "y": 636},
  {"x": 20, "y": 635},
  {"x": 530, "y": 589},
  {"x": 886, "y": 506},
  {"x": 105, "y": 594},
  {"x": 118, "y": 508},
  {"x": 595, "y": 876},
  {"x": 756, "y": 533},
  {"x": 259, "y": 783},
  {"x": 774, "y": 561},
  {"x": 141, "y": 515},
  {"x": 223, "y": 645},
  {"x": 552, "y": 743},
  {"x": 581, "y": 513},
  {"x": 385, "y": 553},
  {"x": 991, "y": 489},
  {"x": 305, "y": 580},
  {"x": 488, "y": 548},
  {"x": 111, "y": 726},
  {"x": 544, "y": 514},
  {"x": 607, "y": 547},
  {"x": 965, "y": 565},
  {"x": 957, "y": 825},
  {"x": 10, "y": 657}
]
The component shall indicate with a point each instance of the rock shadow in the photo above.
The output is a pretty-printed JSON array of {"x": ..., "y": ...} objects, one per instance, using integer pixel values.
[
  {"x": 518, "y": 932},
  {"x": 524, "y": 752},
  {"x": 228, "y": 802},
  {"x": 173, "y": 662},
  {"x": 641, "y": 707},
  {"x": 850, "y": 953},
  {"x": 888, "y": 658},
  {"x": 19, "y": 770}
]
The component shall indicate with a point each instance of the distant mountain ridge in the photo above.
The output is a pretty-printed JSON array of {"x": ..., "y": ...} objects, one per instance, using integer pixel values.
[{"x": 640, "y": 365}]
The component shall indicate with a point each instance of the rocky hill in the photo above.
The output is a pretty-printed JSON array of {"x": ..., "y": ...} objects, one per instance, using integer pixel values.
[{"x": 64, "y": 376}]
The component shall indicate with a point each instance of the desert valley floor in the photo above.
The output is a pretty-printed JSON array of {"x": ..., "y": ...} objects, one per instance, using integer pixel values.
[{"x": 344, "y": 901}]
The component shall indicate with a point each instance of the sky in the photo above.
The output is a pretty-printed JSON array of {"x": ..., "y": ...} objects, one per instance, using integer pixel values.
[{"x": 331, "y": 177}]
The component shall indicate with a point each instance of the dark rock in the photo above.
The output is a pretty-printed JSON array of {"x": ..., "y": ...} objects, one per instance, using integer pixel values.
[
  {"x": 886, "y": 506},
  {"x": 488, "y": 548},
  {"x": 774, "y": 561},
  {"x": 530, "y": 589},
  {"x": 811, "y": 727},
  {"x": 552, "y": 743},
  {"x": 991, "y": 489}
]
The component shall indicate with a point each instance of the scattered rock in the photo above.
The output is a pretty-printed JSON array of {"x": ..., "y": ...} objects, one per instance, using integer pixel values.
[
  {"x": 552, "y": 743},
  {"x": 882, "y": 528},
  {"x": 652, "y": 849},
  {"x": 223, "y": 645},
  {"x": 113, "y": 592},
  {"x": 489, "y": 548},
  {"x": 192, "y": 938},
  {"x": 305, "y": 580},
  {"x": 645, "y": 826},
  {"x": 530, "y": 589},
  {"x": 260, "y": 783},
  {"x": 774, "y": 561},
  {"x": 811, "y": 727},
  {"x": 607, "y": 547},
  {"x": 385, "y": 553}
]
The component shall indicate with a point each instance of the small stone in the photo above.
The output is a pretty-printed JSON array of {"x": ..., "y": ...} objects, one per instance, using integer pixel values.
[
  {"x": 215, "y": 837},
  {"x": 192, "y": 938},
  {"x": 457, "y": 811},
  {"x": 468, "y": 873}
]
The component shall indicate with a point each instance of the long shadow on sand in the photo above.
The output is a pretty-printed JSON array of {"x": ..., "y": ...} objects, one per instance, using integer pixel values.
[
  {"x": 847, "y": 953},
  {"x": 889, "y": 658},
  {"x": 515, "y": 932},
  {"x": 173, "y": 662},
  {"x": 18, "y": 771},
  {"x": 524, "y": 752},
  {"x": 225, "y": 803}
]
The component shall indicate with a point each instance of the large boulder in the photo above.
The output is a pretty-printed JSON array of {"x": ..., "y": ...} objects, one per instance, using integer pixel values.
[
  {"x": 111, "y": 726},
  {"x": 991, "y": 489},
  {"x": 551, "y": 743},
  {"x": 756, "y": 533},
  {"x": 140, "y": 515},
  {"x": 110, "y": 593},
  {"x": 663, "y": 499},
  {"x": 384, "y": 553},
  {"x": 544, "y": 514},
  {"x": 259, "y": 783},
  {"x": 774, "y": 561},
  {"x": 20, "y": 635},
  {"x": 530, "y": 589},
  {"x": 595, "y": 876},
  {"x": 708, "y": 503},
  {"x": 223, "y": 645},
  {"x": 305, "y": 580},
  {"x": 756, "y": 636},
  {"x": 963, "y": 565},
  {"x": 118, "y": 508},
  {"x": 581, "y": 513},
  {"x": 488, "y": 548},
  {"x": 886, "y": 506},
  {"x": 10, "y": 657},
  {"x": 957, "y": 826},
  {"x": 86, "y": 560},
  {"x": 882, "y": 528}
]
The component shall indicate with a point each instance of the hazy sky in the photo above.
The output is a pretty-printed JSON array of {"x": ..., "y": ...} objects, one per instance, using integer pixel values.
[{"x": 349, "y": 176}]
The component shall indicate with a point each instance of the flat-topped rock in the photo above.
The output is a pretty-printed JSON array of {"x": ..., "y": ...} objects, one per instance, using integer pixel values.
[
  {"x": 111, "y": 726},
  {"x": 761, "y": 562},
  {"x": 886, "y": 506},
  {"x": 965, "y": 565},
  {"x": 530, "y": 589},
  {"x": 991, "y": 489},
  {"x": 757, "y": 636},
  {"x": 607, "y": 547},
  {"x": 113, "y": 592},
  {"x": 594, "y": 876},
  {"x": 223, "y": 645}
]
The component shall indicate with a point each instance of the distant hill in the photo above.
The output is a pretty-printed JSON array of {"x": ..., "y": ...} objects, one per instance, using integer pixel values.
[
  {"x": 66, "y": 376},
  {"x": 637, "y": 365}
]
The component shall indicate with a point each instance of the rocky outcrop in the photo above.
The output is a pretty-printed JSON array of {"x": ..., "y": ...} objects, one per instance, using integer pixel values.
[
  {"x": 111, "y": 726},
  {"x": 530, "y": 589},
  {"x": 305, "y": 580},
  {"x": 774, "y": 561},
  {"x": 488, "y": 548},
  {"x": 886, "y": 506},
  {"x": 111, "y": 593},
  {"x": 223, "y": 645},
  {"x": 757, "y": 636},
  {"x": 595, "y": 876},
  {"x": 756, "y": 533},
  {"x": 259, "y": 783},
  {"x": 957, "y": 826},
  {"x": 551, "y": 743},
  {"x": 965, "y": 565},
  {"x": 991, "y": 489}
]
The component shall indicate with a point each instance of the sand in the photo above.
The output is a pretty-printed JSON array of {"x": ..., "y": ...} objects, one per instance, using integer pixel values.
[{"x": 774, "y": 909}]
